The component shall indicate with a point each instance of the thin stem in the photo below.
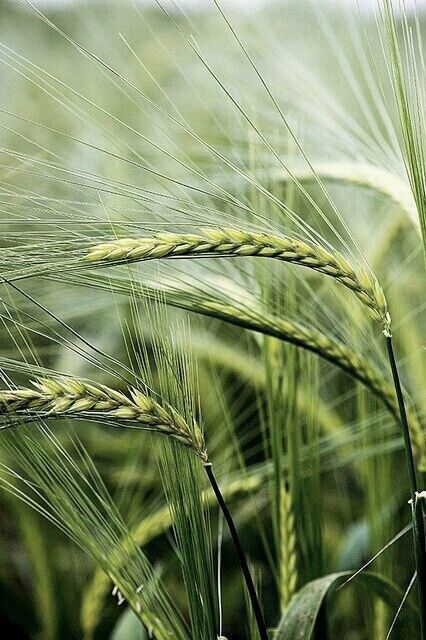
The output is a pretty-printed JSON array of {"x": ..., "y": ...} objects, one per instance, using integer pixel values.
[
  {"x": 417, "y": 511},
  {"x": 420, "y": 555},
  {"x": 263, "y": 633},
  {"x": 404, "y": 423}
]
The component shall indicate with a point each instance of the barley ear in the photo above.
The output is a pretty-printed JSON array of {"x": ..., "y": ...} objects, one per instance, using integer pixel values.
[
  {"x": 235, "y": 242},
  {"x": 66, "y": 397},
  {"x": 288, "y": 556}
]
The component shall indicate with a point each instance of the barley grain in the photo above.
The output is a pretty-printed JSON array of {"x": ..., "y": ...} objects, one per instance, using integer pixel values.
[
  {"x": 237, "y": 243},
  {"x": 66, "y": 397}
]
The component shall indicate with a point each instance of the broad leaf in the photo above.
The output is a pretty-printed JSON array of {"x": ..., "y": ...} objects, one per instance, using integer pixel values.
[{"x": 299, "y": 621}]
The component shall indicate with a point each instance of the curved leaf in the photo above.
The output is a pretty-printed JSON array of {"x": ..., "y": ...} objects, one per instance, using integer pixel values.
[{"x": 299, "y": 621}]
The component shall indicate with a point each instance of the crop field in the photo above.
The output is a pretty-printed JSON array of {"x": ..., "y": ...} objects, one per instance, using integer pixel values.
[{"x": 213, "y": 320}]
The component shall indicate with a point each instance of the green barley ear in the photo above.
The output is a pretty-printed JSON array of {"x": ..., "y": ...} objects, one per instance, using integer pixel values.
[
  {"x": 288, "y": 557},
  {"x": 67, "y": 397},
  {"x": 235, "y": 242}
]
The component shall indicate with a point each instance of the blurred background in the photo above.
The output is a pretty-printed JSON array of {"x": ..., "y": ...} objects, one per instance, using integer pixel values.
[{"x": 59, "y": 111}]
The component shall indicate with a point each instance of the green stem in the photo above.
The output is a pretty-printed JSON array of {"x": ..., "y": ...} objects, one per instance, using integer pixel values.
[
  {"x": 420, "y": 555},
  {"x": 416, "y": 503},
  {"x": 263, "y": 633}
]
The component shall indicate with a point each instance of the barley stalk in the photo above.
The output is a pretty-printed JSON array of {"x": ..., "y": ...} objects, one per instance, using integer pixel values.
[
  {"x": 237, "y": 243},
  {"x": 254, "y": 317},
  {"x": 417, "y": 516},
  {"x": 251, "y": 589},
  {"x": 59, "y": 398}
]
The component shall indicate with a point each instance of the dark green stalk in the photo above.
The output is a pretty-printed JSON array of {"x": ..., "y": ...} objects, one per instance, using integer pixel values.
[
  {"x": 416, "y": 503},
  {"x": 263, "y": 633},
  {"x": 420, "y": 555}
]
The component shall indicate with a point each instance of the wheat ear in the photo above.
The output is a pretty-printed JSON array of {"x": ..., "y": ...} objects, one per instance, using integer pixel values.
[
  {"x": 235, "y": 243},
  {"x": 59, "y": 398}
]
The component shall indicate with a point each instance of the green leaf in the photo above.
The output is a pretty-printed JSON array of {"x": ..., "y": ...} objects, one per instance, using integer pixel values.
[
  {"x": 299, "y": 621},
  {"x": 128, "y": 627}
]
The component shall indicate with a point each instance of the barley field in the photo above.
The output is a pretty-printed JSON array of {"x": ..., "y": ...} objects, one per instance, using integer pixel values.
[{"x": 212, "y": 354}]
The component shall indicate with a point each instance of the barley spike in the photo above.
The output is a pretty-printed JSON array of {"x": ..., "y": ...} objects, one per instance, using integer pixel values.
[
  {"x": 236, "y": 242},
  {"x": 288, "y": 554},
  {"x": 328, "y": 348},
  {"x": 66, "y": 397}
]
